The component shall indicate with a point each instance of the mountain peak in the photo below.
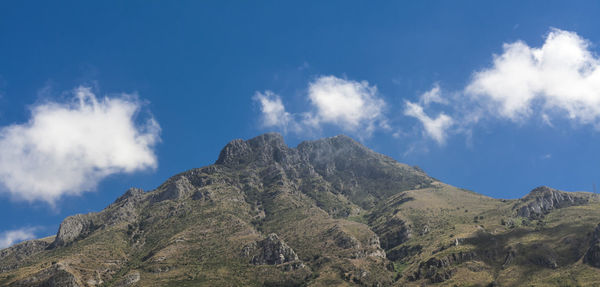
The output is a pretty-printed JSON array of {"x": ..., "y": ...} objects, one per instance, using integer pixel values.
[
  {"x": 540, "y": 190},
  {"x": 268, "y": 214},
  {"x": 239, "y": 151}
]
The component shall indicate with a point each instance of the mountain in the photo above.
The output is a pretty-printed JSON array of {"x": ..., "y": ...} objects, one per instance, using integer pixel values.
[{"x": 329, "y": 212}]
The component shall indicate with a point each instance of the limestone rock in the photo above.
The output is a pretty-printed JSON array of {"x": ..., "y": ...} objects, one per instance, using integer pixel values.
[
  {"x": 132, "y": 194},
  {"x": 73, "y": 228},
  {"x": 14, "y": 256},
  {"x": 270, "y": 251},
  {"x": 175, "y": 188},
  {"x": 543, "y": 199},
  {"x": 264, "y": 148}
]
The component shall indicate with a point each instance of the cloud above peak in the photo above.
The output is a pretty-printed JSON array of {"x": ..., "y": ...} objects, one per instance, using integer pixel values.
[
  {"x": 350, "y": 105},
  {"x": 273, "y": 111},
  {"x": 562, "y": 77},
  {"x": 346, "y": 103},
  {"x": 68, "y": 148},
  {"x": 559, "y": 80},
  {"x": 435, "y": 128}
]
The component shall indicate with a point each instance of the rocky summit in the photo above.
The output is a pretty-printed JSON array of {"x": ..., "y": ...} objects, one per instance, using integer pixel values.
[{"x": 329, "y": 212}]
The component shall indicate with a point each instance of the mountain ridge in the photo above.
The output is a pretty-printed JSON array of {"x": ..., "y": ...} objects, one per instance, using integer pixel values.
[{"x": 327, "y": 212}]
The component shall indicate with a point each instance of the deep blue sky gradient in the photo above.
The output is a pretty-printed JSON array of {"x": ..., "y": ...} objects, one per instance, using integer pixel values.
[{"x": 198, "y": 64}]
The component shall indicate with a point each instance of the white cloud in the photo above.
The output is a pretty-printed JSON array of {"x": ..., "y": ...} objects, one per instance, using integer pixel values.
[
  {"x": 8, "y": 238},
  {"x": 273, "y": 110},
  {"x": 433, "y": 96},
  {"x": 348, "y": 104},
  {"x": 562, "y": 77},
  {"x": 435, "y": 128},
  {"x": 353, "y": 106},
  {"x": 67, "y": 148}
]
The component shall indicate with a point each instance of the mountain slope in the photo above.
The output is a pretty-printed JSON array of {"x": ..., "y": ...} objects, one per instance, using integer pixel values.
[{"x": 328, "y": 212}]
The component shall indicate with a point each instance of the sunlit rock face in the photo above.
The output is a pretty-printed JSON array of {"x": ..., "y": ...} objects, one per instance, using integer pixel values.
[{"x": 543, "y": 199}]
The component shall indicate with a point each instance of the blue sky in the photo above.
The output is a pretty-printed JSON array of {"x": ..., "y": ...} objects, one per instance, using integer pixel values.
[{"x": 98, "y": 97}]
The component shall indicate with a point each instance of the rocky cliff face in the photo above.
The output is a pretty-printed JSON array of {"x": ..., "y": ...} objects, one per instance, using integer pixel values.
[
  {"x": 342, "y": 165},
  {"x": 270, "y": 251},
  {"x": 17, "y": 255},
  {"x": 543, "y": 199}
]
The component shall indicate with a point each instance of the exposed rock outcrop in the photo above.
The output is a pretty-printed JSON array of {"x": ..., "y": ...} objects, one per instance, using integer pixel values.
[
  {"x": 73, "y": 228},
  {"x": 269, "y": 147},
  {"x": 543, "y": 199},
  {"x": 340, "y": 165},
  {"x": 12, "y": 257},
  {"x": 131, "y": 195},
  {"x": 270, "y": 251},
  {"x": 344, "y": 240},
  {"x": 178, "y": 187},
  {"x": 403, "y": 252},
  {"x": 438, "y": 269},
  {"x": 79, "y": 226},
  {"x": 393, "y": 232}
]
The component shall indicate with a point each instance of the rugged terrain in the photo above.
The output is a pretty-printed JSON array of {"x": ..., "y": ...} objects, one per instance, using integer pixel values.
[{"x": 329, "y": 212}]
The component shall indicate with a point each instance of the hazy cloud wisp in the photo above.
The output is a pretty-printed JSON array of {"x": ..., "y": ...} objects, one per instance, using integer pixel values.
[
  {"x": 8, "y": 238},
  {"x": 435, "y": 128}
]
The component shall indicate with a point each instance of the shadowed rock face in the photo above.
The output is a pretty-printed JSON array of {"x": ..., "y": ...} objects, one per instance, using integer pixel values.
[
  {"x": 437, "y": 269},
  {"x": 592, "y": 256},
  {"x": 543, "y": 199}
]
